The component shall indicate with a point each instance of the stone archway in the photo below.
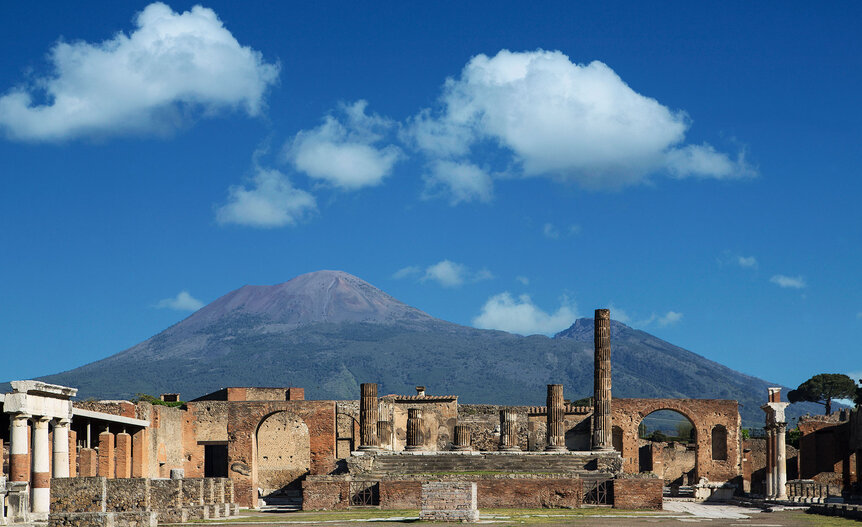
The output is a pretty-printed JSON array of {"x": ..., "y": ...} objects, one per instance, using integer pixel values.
[{"x": 283, "y": 453}]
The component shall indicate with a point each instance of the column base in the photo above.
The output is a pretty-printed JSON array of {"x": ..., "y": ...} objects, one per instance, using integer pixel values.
[
  {"x": 413, "y": 448},
  {"x": 603, "y": 449},
  {"x": 457, "y": 448},
  {"x": 556, "y": 448},
  {"x": 510, "y": 449},
  {"x": 368, "y": 448}
]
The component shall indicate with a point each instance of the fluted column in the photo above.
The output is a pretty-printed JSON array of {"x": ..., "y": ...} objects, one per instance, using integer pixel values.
[
  {"x": 368, "y": 417},
  {"x": 414, "y": 430},
  {"x": 40, "y": 497},
  {"x": 602, "y": 382},
  {"x": 60, "y": 460},
  {"x": 556, "y": 435},
  {"x": 19, "y": 449},
  {"x": 462, "y": 438},
  {"x": 781, "y": 461},
  {"x": 509, "y": 430}
]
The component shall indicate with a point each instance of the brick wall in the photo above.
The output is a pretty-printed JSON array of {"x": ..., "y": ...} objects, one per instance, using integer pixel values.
[{"x": 638, "y": 493}]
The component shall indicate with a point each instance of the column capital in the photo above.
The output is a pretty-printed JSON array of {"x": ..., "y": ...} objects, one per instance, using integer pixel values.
[
  {"x": 63, "y": 421},
  {"x": 21, "y": 416},
  {"x": 41, "y": 421}
]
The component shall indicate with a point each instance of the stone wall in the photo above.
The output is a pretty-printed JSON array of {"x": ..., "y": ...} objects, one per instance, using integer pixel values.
[
  {"x": 483, "y": 421},
  {"x": 449, "y": 501},
  {"x": 438, "y": 420}
]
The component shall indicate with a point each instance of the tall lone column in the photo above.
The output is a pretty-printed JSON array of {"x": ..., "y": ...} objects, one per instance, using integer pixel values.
[
  {"x": 40, "y": 497},
  {"x": 509, "y": 431},
  {"x": 462, "y": 438},
  {"x": 60, "y": 460},
  {"x": 781, "y": 493},
  {"x": 556, "y": 415},
  {"x": 368, "y": 417},
  {"x": 602, "y": 382},
  {"x": 769, "y": 471},
  {"x": 414, "y": 430},
  {"x": 19, "y": 449}
]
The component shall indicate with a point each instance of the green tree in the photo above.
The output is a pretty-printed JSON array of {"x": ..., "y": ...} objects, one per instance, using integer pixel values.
[{"x": 822, "y": 388}]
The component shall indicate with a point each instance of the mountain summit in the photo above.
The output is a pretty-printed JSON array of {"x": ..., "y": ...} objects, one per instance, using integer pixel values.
[{"x": 329, "y": 331}]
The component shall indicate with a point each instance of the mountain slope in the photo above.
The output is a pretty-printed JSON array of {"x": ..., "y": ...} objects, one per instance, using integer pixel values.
[{"x": 329, "y": 331}]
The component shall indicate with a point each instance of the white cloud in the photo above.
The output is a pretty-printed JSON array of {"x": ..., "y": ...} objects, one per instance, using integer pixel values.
[
  {"x": 571, "y": 122},
  {"x": 551, "y": 231},
  {"x": 182, "y": 302},
  {"x": 151, "y": 80},
  {"x": 270, "y": 201},
  {"x": 859, "y": 315},
  {"x": 343, "y": 152},
  {"x": 747, "y": 261},
  {"x": 522, "y": 316},
  {"x": 461, "y": 182},
  {"x": 523, "y": 279},
  {"x": 446, "y": 273},
  {"x": 792, "y": 282},
  {"x": 669, "y": 318},
  {"x": 404, "y": 272}
]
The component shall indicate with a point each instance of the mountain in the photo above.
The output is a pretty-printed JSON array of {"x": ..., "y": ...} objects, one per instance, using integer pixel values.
[{"x": 328, "y": 331}]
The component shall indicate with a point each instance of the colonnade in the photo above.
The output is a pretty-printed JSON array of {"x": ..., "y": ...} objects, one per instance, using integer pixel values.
[
  {"x": 776, "y": 454},
  {"x": 29, "y": 461}
]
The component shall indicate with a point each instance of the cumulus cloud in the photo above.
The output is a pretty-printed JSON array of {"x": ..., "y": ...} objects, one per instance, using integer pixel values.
[
  {"x": 172, "y": 66},
  {"x": 553, "y": 232},
  {"x": 269, "y": 201},
  {"x": 182, "y": 302},
  {"x": 747, "y": 261},
  {"x": 520, "y": 315},
  {"x": 445, "y": 273},
  {"x": 343, "y": 152},
  {"x": 792, "y": 282},
  {"x": 669, "y": 318},
  {"x": 523, "y": 279},
  {"x": 459, "y": 181},
  {"x": 567, "y": 121}
]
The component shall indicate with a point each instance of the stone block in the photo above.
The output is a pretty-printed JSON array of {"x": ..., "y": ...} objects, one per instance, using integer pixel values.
[
  {"x": 449, "y": 501},
  {"x": 193, "y": 492},
  {"x": 136, "y": 519},
  {"x": 165, "y": 494},
  {"x": 81, "y": 519}
]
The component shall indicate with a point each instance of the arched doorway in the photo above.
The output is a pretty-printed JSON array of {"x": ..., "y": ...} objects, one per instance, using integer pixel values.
[
  {"x": 283, "y": 454},
  {"x": 667, "y": 446}
]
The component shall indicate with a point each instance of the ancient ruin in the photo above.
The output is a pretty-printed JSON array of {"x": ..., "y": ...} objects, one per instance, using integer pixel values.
[{"x": 271, "y": 448}]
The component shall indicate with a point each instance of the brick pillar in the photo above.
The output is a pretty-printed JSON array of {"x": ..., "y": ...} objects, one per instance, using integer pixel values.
[
  {"x": 40, "y": 500},
  {"x": 73, "y": 454},
  {"x": 123, "y": 455},
  {"x": 462, "y": 438},
  {"x": 89, "y": 463},
  {"x": 414, "y": 430},
  {"x": 509, "y": 430},
  {"x": 60, "y": 439},
  {"x": 602, "y": 424},
  {"x": 19, "y": 449},
  {"x": 140, "y": 454},
  {"x": 368, "y": 417},
  {"x": 106, "y": 455},
  {"x": 657, "y": 455},
  {"x": 556, "y": 435}
]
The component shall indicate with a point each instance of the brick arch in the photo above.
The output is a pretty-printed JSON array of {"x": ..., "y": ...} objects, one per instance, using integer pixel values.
[{"x": 704, "y": 414}]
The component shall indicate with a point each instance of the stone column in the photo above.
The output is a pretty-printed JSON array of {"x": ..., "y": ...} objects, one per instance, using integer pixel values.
[
  {"x": 60, "y": 461},
  {"x": 19, "y": 449},
  {"x": 106, "y": 455},
  {"x": 368, "y": 416},
  {"x": 414, "y": 430},
  {"x": 556, "y": 435},
  {"x": 509, "y": 431},
  {"x": 462, "y": 438},
  {"x": 781, "y": 461},
  {"x": 123, "y": 455},
  {"x": 40, "y": 496},
  {"x": 602, "y": 424},
  {"x": 768, "y": 470},
  {"x": 384, "y": 435}
]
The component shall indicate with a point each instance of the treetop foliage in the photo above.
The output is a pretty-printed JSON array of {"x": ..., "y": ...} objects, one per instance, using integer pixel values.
[{"x": 823, "y": 388}]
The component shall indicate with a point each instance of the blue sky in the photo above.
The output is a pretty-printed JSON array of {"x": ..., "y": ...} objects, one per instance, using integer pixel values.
[{"x": 695, "y": 167}]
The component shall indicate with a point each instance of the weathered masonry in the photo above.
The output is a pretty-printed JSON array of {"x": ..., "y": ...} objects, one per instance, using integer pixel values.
[{"x": 277, "y": 449}]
